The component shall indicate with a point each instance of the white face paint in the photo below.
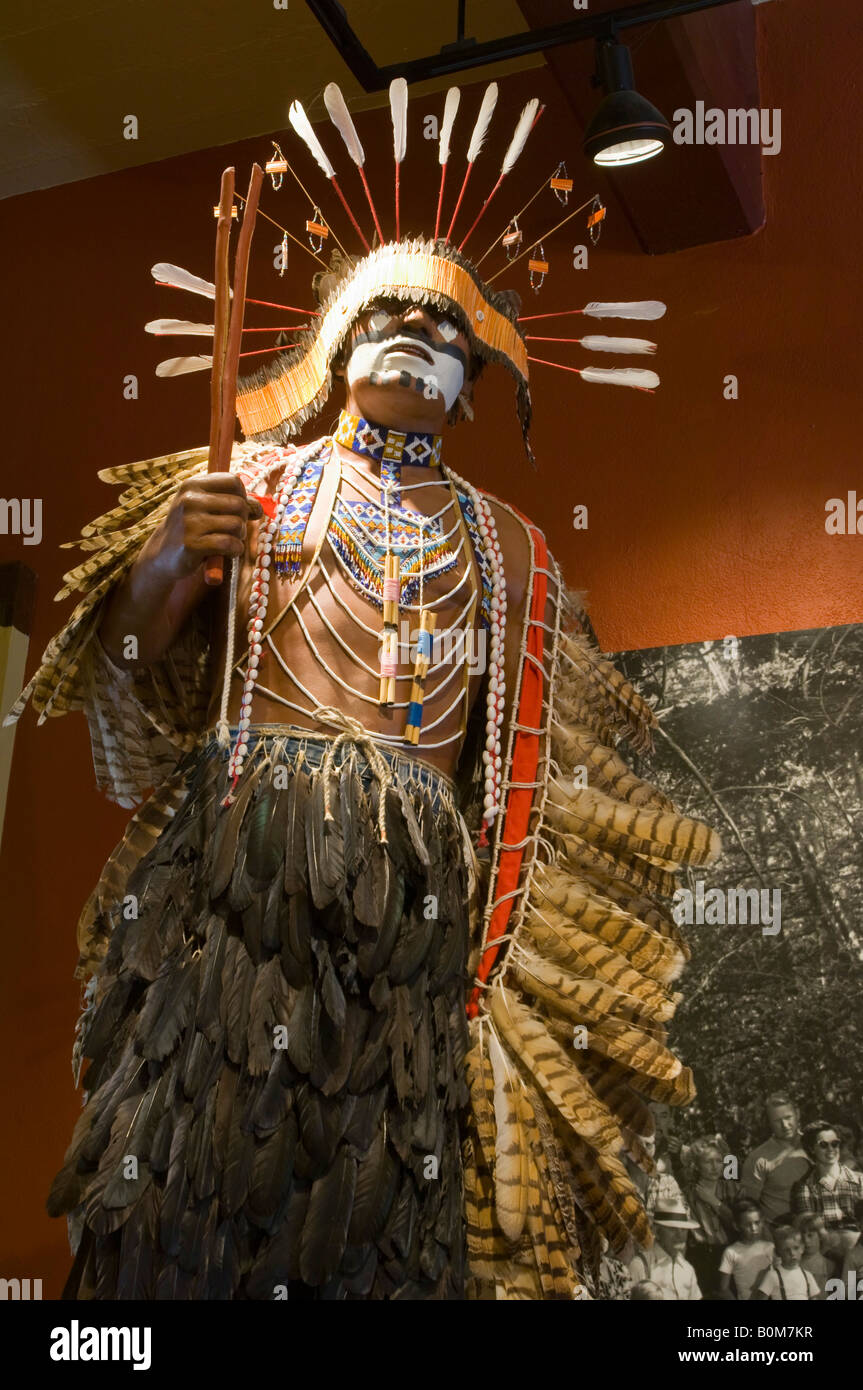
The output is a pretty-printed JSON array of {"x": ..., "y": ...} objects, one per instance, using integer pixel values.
[{"x": 425, "y": 364}]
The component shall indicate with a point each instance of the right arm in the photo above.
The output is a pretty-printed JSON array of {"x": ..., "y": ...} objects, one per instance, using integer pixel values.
[{"x": 207, "y": 516}]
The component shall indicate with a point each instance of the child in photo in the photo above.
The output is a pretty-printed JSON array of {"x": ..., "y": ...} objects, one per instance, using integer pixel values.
[
  {"x": 786, "y": 1279},
  {"x": 750, "y": 1254},
  {"x": 812, "y": 1228}
]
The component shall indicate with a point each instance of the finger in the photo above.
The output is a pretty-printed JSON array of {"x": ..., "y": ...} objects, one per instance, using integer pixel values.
[
  {"x": 215, "y": 482},
  {"x": 216, "y": 504},
  {"x": 217, "y": 526},
  {"x": 218, "y": 544}
]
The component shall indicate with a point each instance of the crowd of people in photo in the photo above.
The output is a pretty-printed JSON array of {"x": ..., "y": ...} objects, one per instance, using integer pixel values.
[{"x": 783, "y": 1224}]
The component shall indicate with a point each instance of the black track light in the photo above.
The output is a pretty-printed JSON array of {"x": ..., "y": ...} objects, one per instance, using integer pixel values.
[{"x": 626, "y": 128}]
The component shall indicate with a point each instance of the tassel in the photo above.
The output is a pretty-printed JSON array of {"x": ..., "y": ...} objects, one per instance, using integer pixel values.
[
  {"x": 526, "y": 121},
  {"x": 453, "y": 97},
  {"x": 341, "y": 119},
  {"x": 389, "y": 635},
  {"x": 421, "y": 666},
  {"x": 477, "y": 141},
  {"x": 399, "y": 109},
  {"x": 303, "y": 127}
]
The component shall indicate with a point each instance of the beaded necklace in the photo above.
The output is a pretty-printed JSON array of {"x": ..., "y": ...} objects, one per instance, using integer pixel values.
[{"x": 295, "y": 494}]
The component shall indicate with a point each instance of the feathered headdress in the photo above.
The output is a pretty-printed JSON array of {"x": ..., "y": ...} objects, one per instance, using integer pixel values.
[
  {"x": 277, "y": 400},
  {"x": 280, "y": 397}
]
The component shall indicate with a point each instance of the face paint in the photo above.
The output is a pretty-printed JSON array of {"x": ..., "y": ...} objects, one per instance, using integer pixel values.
[{"x": 425, "y": 363}]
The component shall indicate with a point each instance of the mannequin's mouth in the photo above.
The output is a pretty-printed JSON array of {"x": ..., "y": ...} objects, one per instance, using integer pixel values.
[{"x": 411, "y": 347}]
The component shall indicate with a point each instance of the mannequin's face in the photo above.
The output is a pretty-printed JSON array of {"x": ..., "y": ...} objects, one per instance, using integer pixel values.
[{"x": 406, "y": 367}]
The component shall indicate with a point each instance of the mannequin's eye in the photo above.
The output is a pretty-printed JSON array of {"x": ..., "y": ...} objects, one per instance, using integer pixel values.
[
  {"x": 379, "y": 320},
  {"x": 447, "y": 330}
]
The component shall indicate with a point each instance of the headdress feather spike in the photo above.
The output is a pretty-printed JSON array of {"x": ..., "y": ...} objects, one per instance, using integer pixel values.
[
  {"x": 163, "y": 326},
  {"x": 341, "y": 119},
  {"x": 453, "y": 97},
  {"x": 635, "y": 309},
  {"x": 303, "y": 127},
  {"x": 399, "y": 109},
  {"x": 526, "y": 122},
  {"x": 178, "y": 366},
  {"x": 179, "y": 279},
  {"x": 477, "y": 140}
]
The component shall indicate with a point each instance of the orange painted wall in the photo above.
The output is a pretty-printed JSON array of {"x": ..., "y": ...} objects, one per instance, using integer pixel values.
[{"x": 706, "y": 517}]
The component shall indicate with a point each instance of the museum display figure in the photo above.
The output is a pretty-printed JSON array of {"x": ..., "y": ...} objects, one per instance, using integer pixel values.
[{"x": 380, "y": 974}]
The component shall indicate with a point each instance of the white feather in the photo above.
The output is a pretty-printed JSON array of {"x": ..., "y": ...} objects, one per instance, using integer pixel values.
[
  {"x": 621, "y": 376},
  {"x": 160, "y": 326},
  {"x": 399, "y": 109},
  {"x": 519, "y": 139},
  {"x": 597, "y": 343},
  {"x": 641, "y": 309},
  {"x": 303, "y": 127},
  {"x": 450, "y": 107},
  {"x": 341, "y": 119},
  {"x": 177, "y": 366},
  {"x": 483, "y": 122},
  {"x": 181, "y": 279}
]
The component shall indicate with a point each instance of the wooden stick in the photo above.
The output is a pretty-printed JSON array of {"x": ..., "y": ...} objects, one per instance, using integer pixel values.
[
  {"x": 232, "y": 352},
  {"x": 213, "y": 565}
]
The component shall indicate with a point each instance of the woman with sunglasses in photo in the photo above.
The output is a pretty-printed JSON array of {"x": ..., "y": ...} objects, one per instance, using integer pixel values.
[{"x": 830, "y": 1189}]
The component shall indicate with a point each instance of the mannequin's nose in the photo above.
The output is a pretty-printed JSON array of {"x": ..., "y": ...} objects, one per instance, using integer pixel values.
[{"x": 418, "y": 317}]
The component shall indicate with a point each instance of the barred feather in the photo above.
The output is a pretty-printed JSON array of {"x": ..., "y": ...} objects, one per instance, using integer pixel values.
[
  {"x": 575, "y": 745},
  {"x": 581, "y": 954},
  {"x": 563, "y": 900},
  {"x": 556, "y": 1073},
  {"x": 511, "y": 1156},
  {"x": 662, "y": 836}
]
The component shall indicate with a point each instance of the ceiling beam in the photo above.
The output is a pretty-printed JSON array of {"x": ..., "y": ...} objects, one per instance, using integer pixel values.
[{"x": 466, "y": 53}]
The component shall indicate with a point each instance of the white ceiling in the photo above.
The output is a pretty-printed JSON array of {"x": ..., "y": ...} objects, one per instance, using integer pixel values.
[{"x": 195, "y": 75}]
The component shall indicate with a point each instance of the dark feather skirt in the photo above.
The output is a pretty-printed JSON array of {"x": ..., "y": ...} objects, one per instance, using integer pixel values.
[{"x": 276, "y": 1073}]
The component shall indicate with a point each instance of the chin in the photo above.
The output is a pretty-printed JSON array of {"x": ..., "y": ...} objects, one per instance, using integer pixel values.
[{"x": 393, "y": 403}]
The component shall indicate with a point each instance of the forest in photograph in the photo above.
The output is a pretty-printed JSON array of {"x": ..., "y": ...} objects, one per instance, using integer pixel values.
[{"x": 761, "y": 736}]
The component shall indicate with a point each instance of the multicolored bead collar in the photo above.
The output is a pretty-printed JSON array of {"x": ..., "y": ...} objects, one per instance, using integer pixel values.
[{"x": 388, "y": 446}]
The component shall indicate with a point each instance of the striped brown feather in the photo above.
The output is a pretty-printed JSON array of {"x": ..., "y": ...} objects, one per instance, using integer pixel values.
[{"x": 555, "y": 1072}]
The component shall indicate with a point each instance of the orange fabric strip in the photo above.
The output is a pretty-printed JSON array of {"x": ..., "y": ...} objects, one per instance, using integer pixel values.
[{"x": 525, "y": 761}]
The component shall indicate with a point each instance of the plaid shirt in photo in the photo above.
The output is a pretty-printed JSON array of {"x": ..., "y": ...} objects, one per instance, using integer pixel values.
[{"x": 836, "y": 1203}]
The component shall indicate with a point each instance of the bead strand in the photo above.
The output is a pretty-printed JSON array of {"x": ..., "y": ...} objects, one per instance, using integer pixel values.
[
  {"x": 258, "y": 599},
  {"x": 496, "y": 693}
]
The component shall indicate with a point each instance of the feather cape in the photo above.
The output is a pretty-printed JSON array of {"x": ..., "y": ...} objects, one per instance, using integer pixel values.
[{"x": 574, "y": 957}]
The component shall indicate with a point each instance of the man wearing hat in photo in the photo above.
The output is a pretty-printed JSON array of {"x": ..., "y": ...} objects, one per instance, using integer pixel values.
[{"x": 666, "y": 1264}]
